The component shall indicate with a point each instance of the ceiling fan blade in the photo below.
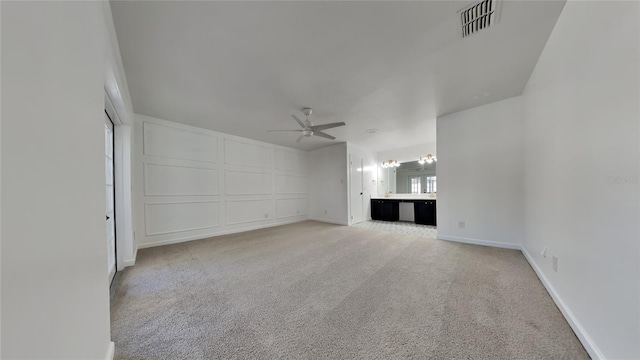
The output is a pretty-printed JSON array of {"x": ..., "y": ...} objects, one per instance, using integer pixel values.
[
  {"x": 284, "y": 130},
  {"x": 324, "y": 135},
  {"x": 327, "y": 126},
  {"x": 300, "y": 138},
  {"x": 299, "y": 121}
]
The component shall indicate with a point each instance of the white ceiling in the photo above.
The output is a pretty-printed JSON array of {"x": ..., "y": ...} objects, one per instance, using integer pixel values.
[{"x": 243, "y": 67}]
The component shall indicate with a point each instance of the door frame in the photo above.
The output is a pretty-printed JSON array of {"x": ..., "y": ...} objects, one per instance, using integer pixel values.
[
  {"x": 115, "y": 211},
  {"x": 350, "y": 202},
  {"x": 125, "y": 237}
]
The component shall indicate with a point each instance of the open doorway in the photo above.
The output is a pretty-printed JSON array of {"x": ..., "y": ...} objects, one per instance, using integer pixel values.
[
  {"x": 406, "y": 198},
  {"x": 355, "y": 169},
  {"x": 110, "y": 198}
]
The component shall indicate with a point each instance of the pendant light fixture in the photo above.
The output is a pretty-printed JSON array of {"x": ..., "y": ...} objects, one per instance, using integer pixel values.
[
  {"x": 390, "y": 163},
  {"x": 429, "y": 159}
]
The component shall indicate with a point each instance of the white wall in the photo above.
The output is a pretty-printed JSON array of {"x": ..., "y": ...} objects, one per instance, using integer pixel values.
[
  {"x": 55, "y": 301},
  {"x": 386, "y": 179},
  {"x": 408, "y": 153},
  {"x": 328, "y": 184},
  {"x": 119, "y": 107},
  {"x": 125, "y": 242},
  {"x": 115, "y": 79},
  {"x": 581, "y": 109},
  {"x": 192, "y": 183},
  {"x": 369, "y": 178},
  {"x": 480, "y": 174}
]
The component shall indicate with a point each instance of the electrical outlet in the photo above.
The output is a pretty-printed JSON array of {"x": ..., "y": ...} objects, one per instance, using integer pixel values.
[
  {"x": 554, "y": 259},
  {"x": 461, "y": 224},
  {"x": 297, "y": 211},
  {"x": 544, "y": 252},
  {"x": 325, "y": 211},
  {"x": 266, "y": 216}
]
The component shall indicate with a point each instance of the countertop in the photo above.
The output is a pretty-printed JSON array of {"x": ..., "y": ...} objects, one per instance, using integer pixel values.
[{"x": 403, "y": 197}]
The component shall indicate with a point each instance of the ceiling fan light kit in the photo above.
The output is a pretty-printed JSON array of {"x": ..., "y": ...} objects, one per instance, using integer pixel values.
[{"x": 309, "y": 130}]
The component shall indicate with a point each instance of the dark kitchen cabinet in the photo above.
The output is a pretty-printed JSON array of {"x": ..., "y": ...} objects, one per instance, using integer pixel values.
[
  {"x": 425, "y": 212},
  {"x": 387, "y": 210}
]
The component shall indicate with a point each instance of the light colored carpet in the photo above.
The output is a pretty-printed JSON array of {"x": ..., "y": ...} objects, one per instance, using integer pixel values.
[
  {"x": 318, "y": 291},
  {"x": 400, "y": 227}
]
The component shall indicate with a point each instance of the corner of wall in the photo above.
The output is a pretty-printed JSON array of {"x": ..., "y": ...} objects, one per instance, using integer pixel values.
[
  {"x": 581, "y": 97},
  {"x": 111, "y": 351},
  {"x": 116, "y": 81},
  {"x": 131, "y": 261},
  {"x": 480, "y": 175},
  {"x": 328, "y": 184},
  {"x": 588, "y": 343}
]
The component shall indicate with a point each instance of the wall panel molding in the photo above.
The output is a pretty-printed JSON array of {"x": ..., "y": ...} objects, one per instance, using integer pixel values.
[
  {"x": 180, "y": 216},
  {"x": 290, "y": 207},
  {"x": 290, "y": 161},
  {"x": 169, "y": 142},
  {"x": 229, "y": 230},
  {"x": 247, "y": 154},
  {"x": 176, "y": 180},
  {"x": 192, "y": 183},
  {"x": 247, "y": 182},
  {"x": 248, "y": 211},
  {"x": 291, "y": 184}
]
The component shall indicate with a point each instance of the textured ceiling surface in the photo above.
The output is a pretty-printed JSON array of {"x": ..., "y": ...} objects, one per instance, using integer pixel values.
[{"x": 244, "y": 67}]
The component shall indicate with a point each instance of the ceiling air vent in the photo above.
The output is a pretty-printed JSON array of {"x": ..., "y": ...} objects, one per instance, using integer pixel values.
[{"x": 478, "y": 16}]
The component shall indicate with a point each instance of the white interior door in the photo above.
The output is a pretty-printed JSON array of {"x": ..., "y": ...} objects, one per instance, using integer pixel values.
[
  {"x": 110, "y": 198},
  {"x": 356, "y": 189}
]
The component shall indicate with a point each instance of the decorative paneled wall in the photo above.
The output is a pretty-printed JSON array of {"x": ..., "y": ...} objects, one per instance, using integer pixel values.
[{"x": 192, "y": 183}]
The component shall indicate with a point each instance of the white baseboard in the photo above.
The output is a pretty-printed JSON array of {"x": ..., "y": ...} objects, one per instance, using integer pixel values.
[
  {"x": 577, "y": 328},
  {"x": 111, "y": 351},
  {"x": 328, "y": 221},
  {"x": 580, "y": 332},
  {"x": 219, "y": 233},
  {"x": 131, "y": 262},
  {"x": 481, "y": 242}
]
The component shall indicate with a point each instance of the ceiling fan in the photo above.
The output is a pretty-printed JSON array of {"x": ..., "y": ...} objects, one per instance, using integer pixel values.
[{"x": 309, "y": 130}]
